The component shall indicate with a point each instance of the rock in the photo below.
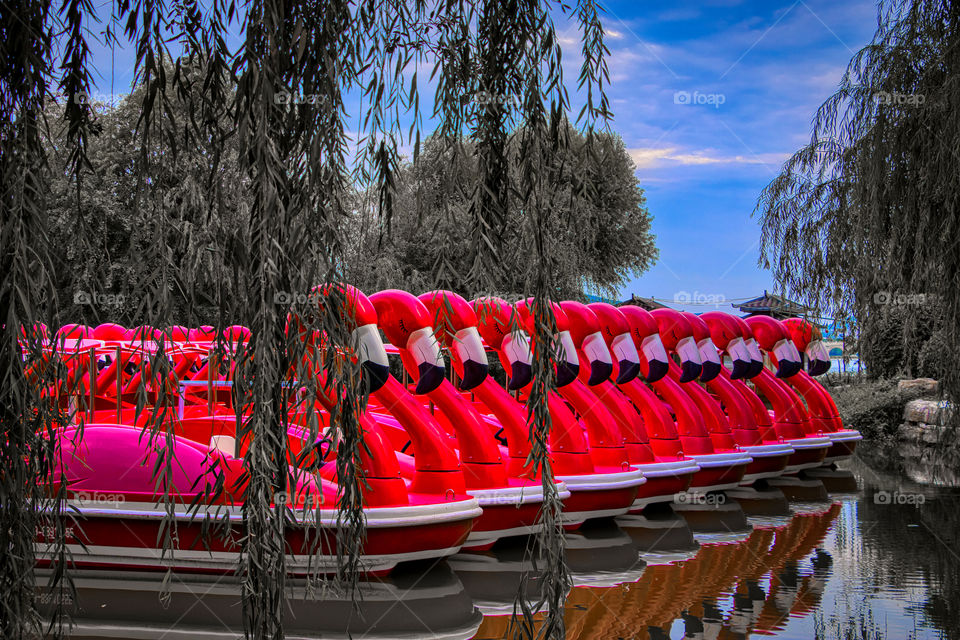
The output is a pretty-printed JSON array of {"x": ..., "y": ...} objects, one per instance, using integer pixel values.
[
  {"x": 924, "y": 411},
  {"x": 919, "y": 434},
  {"x": 919, "y": 387}
]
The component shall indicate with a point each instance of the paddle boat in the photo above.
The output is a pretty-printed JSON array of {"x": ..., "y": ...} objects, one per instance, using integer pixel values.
[
  {"x": 824, "y": 415},
  {"x": 511, "y": 502},
  {"x": 599, "y": 488},
  {"x": 109, "y": 469}
]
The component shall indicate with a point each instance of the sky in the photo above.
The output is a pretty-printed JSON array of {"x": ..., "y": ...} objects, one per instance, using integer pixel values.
[{"x": 710, "y": 97}]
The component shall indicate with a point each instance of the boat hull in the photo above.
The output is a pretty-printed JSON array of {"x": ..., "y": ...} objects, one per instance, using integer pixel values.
[
  {"x": 843, "y": 444},
  {"x": 507, "y": 512},
  {"x": 769, "y": 461},
  {"x": 125, "y": 537},
  {"x": 665, "y": 480},
  {"x": 808, "y": 453},
  {"x": 600, "y": 495},
  {"x": 718, "y": 471}
]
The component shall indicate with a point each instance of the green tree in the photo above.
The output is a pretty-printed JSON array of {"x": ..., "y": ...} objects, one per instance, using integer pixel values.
[
  {"x": 115, "y": 239},
  {"x": 598, "y": 238},
  {"x": 209, "y": 81},
  {"x": 867, "y": 215}
]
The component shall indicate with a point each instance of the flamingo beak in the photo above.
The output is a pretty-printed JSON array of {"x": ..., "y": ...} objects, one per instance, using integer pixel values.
[
  {"x": 568, "y": 365},
  {"x": 756, "y": 358},
  {"x": 468, "y": 349},
  {"x": 818, "y": 358},
  {"x": 690, "y": 363},
  {"x": 628, "y": 360},
  {"x": 366, "y": 343},
  {"x": 598, "y": 355},
  {"x": 740, "y": 356},
  {"x": 710, "y": 356},
  {"x": 425, "y": 350},
  {"x": 658, "y": 362},
  {"x": 788, "y": 359},
  {"x": 516, "y": 346}
]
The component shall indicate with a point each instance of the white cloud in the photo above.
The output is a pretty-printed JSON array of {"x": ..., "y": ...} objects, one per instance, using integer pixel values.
[{"x": 656, "y": 157}]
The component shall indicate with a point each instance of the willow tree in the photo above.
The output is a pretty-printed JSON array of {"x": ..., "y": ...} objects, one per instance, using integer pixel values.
[
  {"x": 279, "y": 96},
  {"x": 866, "y": 217},
  {"x": 598, "y": 248}
]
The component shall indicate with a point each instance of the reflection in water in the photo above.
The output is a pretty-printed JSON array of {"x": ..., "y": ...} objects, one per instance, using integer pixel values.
[
  {"x": 855, "y": 568},
  {"x": 688, "y": 592},
  {"x": 879, "y": 564},
  {"x": 416, "y": 602}
]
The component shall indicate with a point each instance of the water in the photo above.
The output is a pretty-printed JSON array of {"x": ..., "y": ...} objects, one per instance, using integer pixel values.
[
  {"x": 879, "y": 563},
  {"x": 851, "y": 365}
]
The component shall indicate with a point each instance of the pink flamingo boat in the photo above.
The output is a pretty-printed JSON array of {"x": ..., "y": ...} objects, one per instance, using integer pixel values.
[{"x": 109, "y": 469}]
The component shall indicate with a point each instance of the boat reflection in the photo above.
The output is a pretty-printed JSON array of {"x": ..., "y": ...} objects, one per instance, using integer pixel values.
[
  {"x": 725, "y": 589},
  {"x": 413, "y": 602},
  {"x": 762, "y": 575}
]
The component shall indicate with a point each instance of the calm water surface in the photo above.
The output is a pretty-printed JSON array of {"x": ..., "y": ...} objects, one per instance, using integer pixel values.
[{"x": 879, "y": 563}]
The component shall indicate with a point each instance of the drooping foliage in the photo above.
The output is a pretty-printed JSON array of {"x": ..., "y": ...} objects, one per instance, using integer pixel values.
[
  {"x": 272, "y": 87},
  {"x": 864, "y": 220},
  {"x": 598, "y": 237}
]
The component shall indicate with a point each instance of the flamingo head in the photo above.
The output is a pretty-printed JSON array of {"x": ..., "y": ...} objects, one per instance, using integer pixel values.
[
  {"x": 677, "y": 335},
  {"x": 501, "y": 328},
  {"x": 654, "y": 361},
  {"x": 456, "y": 323},
  {"x": 709, "y": 353},
  {"x": 807, "y": 338},
  {"x": 774, "y": 338},
  {"x": 585, "y": 331},
  {"x": 726, "y": 334},
  {"x": 407, "y": 324},
  {"x": 568, "y": 363},
  {"x": 616, "y": 332}
]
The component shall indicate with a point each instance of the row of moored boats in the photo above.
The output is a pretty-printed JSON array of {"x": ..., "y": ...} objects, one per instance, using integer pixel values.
[{"x": 647, "y": 407}]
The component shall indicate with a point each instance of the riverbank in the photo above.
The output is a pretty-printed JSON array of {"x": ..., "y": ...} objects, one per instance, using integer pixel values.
[{"x": 905, "y": 427}]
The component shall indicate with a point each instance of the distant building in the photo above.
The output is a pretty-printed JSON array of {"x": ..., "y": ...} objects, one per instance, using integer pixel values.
[
  {"x": 644, "y": 303},
  {"x": 770, "y": 304},
  {"x": 592, "y": 298}
]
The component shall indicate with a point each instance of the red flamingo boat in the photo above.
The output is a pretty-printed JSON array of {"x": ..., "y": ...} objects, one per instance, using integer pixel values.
[
  {"x": 666, "y": 476},
  {"x": 790, "y": 417},
  {"x": 770, "y": 457},
  {"x": 511, "y": 501},
  {"x": 109, "y": 468},
  {"x": 722, "y": 466},
  {"x": 599, "y": 488},
  {"x": 824, "y": 416}
]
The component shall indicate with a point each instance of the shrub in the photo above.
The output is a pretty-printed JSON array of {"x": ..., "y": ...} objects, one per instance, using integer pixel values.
[{"x": 874, "y": 407}]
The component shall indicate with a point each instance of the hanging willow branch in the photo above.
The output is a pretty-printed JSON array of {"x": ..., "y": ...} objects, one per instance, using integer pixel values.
[
  {"x": 868, "y": 213},
  {"x": 244, "y": 175}
]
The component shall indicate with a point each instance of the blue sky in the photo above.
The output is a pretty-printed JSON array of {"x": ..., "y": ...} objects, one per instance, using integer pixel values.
[
  {"x": 710, "y": 98},
  {"x": 752, "y": 74}
]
